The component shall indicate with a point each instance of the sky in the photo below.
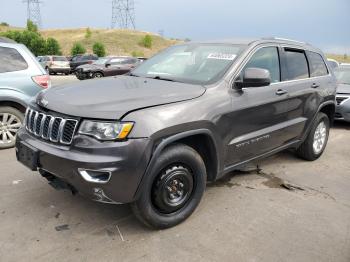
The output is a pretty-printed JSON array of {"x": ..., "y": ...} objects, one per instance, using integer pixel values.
[{"x": 323, "y": 23}]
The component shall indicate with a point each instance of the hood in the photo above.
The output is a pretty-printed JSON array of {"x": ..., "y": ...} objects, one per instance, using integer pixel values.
[
  {"x": 343, "y": 89},
  {"x": 113, "y": 97}
]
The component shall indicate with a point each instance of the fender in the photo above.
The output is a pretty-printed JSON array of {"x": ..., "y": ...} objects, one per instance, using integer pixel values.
[
  {"x": 306, "y": 133},
  {"x": 167, "y": 141}
]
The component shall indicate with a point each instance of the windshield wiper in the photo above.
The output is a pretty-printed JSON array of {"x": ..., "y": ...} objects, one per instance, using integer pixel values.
[
  {"x": 131, "y": 74},
  {"x": 163, "y": 78}
]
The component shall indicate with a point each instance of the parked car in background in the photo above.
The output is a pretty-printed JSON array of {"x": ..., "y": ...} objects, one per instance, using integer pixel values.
[
  {"x": 55, "y": 64},
  {"x": 107, "y": 66},
  {"x": 188, "y": 115},
  {"x": 79, "y": 60},
  {"x": 342, "y": 74},
  {"x": 332, "y": 63},
  {"x": 21, "y": 78}
]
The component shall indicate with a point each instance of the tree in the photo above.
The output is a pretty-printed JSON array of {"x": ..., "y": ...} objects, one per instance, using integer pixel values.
[
  {"x": 4, "y": 24},
  {"x": 88, "y": 33},
  {"x": 31, "y": 26},
  {"x": 53, "y": 47},
  {"x": 99, "y": 49},
  {"x": 78, "y": 49},
  {"x": 147, "y": 41}
]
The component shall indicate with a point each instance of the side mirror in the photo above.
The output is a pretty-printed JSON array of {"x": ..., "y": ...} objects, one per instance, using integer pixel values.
[
  {"x": 108, "y": 65},
  {"x": 254, "y": 77}
]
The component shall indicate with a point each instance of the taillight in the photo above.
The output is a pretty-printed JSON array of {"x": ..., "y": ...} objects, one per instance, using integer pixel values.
[
  {"x": 90, "y": 62},
  {"x": 43, "y": 80}
]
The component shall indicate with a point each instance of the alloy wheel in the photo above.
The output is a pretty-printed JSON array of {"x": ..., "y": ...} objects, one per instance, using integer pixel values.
[
  {"x": 9, "y": 125},
  {"x": 320, "y": 137}
]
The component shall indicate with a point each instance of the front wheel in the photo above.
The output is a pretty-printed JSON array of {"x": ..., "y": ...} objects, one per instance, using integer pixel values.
[
  {"x": 97, "y": 75},
  {"x": 11, "y": 120},
  {"x": 173, "y": 190},
  {"x": 314, "y": 145}
]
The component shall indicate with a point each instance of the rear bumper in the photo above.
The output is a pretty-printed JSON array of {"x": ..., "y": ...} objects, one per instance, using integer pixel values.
[
  {"x": 121, "y": 164},
  {"x": 342, "y": 111},
  {"x": 60, "y": 69}
]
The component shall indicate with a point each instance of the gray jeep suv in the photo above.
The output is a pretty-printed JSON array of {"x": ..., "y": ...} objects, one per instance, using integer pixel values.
[
  {"x": 21, "y": 78},
  {"x": 189, "y": 115}
]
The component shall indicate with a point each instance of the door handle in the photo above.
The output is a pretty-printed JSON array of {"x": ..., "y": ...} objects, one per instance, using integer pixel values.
[
  {"x": 280, "y": 92},
  {"x": 314, "y": 85}
]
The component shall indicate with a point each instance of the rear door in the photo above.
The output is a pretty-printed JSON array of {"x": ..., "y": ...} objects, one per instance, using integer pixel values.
[{"x": 302, "y": 86}]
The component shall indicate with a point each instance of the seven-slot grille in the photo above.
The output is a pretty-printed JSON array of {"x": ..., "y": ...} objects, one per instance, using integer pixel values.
[
  {"x": 48, "y": 127},
  {"x": 340, "y": 99}
]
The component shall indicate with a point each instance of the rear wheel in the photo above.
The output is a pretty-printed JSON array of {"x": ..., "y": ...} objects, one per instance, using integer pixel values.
[
  {"x": 173, "y": 190},
  {"x": 314, "y": 145},
  {"x": 11, "y": 120}
]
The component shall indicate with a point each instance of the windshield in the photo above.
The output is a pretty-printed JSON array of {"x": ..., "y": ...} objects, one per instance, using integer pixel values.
[
  {"x": 343, "y": 75},
  {"x": 191, "y": 63},
  {"x": 101, "y": 61}
]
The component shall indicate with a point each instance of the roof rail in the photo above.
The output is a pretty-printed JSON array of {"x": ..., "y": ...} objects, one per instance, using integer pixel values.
[{"x": 284, "y": 39}]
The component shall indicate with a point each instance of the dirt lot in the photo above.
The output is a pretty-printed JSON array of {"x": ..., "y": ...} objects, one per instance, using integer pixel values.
[{"x": 243, "y": 217}]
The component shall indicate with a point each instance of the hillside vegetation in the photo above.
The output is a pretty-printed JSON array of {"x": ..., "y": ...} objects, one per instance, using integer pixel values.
[{"x": 116, "y": 41}]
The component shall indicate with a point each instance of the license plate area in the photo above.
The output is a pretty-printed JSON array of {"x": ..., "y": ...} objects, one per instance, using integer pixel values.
[{"x": 28, "y": 156}]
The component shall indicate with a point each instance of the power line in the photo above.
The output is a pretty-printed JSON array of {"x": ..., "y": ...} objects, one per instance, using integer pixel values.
[
  {"x": 123, "y": 14},
  {"x": 33, "y": 11}
]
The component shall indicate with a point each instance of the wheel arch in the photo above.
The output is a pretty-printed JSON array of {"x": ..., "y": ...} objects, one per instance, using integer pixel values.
[
  {"x": 13, "y": 104},
  {"x": 329, "y": 110},
  {"x": 208, "y": 150}
]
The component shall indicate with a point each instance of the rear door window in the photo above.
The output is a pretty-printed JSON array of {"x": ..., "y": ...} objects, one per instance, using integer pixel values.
[
  {"x": 296, "y": 64},
  {"x": 317, "y": 64},
  {"x": 266, "y": 58},
  {"x": 11, "y": 60}
]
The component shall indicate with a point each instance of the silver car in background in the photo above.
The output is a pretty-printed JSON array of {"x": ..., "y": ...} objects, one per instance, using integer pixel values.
[
  {"x": 343, "y": 93},
  {"x": 21, "y": 78},
  {"x": 55, "y": 64}
]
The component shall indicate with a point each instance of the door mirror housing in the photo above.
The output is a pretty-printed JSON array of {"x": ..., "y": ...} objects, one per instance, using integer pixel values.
[
  {"x": 108, "y": 65},
  {"x": 253, "y": 77}
]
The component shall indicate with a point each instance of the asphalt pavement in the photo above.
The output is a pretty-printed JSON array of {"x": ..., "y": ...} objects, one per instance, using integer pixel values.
[{"x": 289, "y": 210}]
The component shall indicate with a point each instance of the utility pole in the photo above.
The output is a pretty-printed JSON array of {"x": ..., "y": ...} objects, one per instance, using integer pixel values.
[
  {"x": 33, "y": 11},
  {"x": 123, "y": 14}
]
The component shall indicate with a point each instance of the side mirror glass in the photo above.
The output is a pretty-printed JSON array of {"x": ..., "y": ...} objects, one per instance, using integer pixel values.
[{"x": 253, "y": 77}]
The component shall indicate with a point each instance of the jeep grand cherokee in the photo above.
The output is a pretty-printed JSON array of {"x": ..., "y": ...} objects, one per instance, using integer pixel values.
[{"x": 189, "y": 115}]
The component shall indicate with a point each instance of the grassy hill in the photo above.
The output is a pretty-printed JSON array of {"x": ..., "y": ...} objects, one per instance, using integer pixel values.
[{"x": 117, "y": 42}]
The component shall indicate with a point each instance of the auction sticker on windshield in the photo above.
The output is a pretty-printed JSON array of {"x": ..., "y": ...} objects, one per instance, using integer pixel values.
[{"x": 222, "y": 56}]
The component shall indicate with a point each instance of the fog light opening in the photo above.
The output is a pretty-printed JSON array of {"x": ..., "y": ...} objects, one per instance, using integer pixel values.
[{"x": 95, "y": 176}]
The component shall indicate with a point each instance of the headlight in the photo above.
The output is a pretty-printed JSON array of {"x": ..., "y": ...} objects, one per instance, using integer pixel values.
[{"x": 106, "y": 131}]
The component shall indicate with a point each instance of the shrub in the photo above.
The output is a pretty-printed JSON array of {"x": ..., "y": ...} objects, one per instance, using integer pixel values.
[
  {"x": 147, "y": 41},
  {"x": 31, "y": 26},
  {"x": 78, "y": 49},
  {"x": 4, "y": 24},
  {"x": 53, "y": 47},
  {"x": 137, "y": 54},
  {"x": 99, "y": 49},
  {"x": 88, "y": 33}
]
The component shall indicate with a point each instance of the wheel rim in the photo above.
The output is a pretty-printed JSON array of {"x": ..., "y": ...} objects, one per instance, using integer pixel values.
[
  {"x": 320, "y": 137},
  {"x": 9, "y": 125},
  {"x": 172, "y": 190},
  {"x": 98, "y": 75}
]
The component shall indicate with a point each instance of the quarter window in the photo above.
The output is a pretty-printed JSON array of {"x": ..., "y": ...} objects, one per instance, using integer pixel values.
[
  {"x": 296, "y": 63},
  {"x": 266, "y": 58},
  {"x": 317, "y": 65},
  {"x": 11, "y": 60}
]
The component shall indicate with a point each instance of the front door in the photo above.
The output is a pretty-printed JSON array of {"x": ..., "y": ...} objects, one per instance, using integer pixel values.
[{"x": 260, "y": 116}]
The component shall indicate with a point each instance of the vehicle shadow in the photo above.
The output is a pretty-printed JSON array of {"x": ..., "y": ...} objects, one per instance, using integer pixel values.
[{"x": 341, "y": 125}]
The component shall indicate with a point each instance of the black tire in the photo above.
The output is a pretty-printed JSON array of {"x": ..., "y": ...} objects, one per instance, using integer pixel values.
[
  {"x": 97, "y": 75},
  {"x": 175, "y": 160},
  {"x": 306, "y": 150},
  {"x": 19, "y": 119}
]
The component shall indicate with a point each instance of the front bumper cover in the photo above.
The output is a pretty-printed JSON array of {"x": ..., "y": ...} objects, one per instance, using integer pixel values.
[{"x": 125, "y": 161}]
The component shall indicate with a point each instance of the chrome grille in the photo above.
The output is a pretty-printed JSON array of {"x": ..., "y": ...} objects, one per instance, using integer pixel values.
[{"x": 48, "y": 127}]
